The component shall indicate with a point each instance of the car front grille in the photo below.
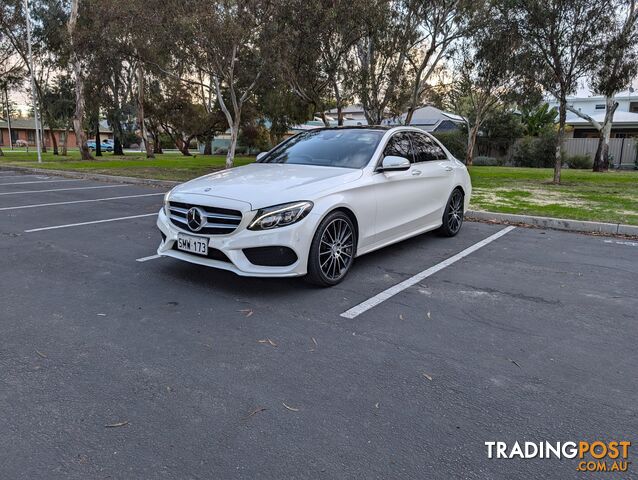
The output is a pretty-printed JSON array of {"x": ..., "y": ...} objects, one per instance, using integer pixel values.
[{"x": 217, "y": 221}]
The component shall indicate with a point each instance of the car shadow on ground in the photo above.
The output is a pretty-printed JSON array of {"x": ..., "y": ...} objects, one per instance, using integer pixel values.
[{"x": 383, "y": 260}]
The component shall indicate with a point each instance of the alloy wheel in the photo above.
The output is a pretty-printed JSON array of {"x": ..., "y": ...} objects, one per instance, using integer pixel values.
[
  {"x": 455, "y": 212},
  {"x": 336, "y": 249}
]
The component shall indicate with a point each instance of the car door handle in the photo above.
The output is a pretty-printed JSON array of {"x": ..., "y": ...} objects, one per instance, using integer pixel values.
[
  {"x": 416, "y": 172},
  {"x": 449, "y": 169}
]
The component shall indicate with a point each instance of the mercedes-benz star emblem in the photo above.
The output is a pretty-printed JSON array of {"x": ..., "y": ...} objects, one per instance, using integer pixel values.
[{"x": 195, "y": 219}]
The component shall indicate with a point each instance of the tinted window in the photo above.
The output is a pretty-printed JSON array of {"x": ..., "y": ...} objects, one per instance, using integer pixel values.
[
  {"x": 425, "y": 149},
  {"x": 347, "y": 148},
  {"x": 399, "y": 145}
]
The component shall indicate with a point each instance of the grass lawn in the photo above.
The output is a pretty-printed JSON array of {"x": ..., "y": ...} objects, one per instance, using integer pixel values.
[
  {"x": 583, "y": 195},
  {"x": 167, "y": 166}
]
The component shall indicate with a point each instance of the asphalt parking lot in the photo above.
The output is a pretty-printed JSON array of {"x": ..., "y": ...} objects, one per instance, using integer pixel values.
[{"x": 116, "y": 368}]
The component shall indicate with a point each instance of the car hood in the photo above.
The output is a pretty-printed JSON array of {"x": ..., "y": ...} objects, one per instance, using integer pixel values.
[{"x": 265, "y": 184}]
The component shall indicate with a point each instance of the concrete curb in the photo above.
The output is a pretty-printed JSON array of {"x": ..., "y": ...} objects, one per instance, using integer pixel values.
[
  {"x": 541, "y": 222},
  {"x": 94, "y": 176},
  {"x": 556, "y": 223}
]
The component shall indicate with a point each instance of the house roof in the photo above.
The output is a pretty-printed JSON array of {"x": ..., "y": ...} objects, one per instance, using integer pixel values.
[
  {"x": 427, "y": 118},
  {"x": 29, "y": 124},
  {"x": 620, "y": 118}
]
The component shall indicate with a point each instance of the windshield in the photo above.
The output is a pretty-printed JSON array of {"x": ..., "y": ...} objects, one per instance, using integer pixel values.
[{"x": 347, "y": 148}]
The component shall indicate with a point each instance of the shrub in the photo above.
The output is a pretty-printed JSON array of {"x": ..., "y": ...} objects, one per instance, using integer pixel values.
[
  {"x": 455, "y": 141},
  {"x": 220, "y": 151},
  {"x": 482, "y": 161},
  {"x": 579, "y": 161},
  {"x": 536, "y": 152}
]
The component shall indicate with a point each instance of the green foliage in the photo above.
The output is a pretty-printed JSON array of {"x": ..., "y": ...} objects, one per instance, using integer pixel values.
[
  {"x": 455, "y": 141},
  {"x": 538, "y": 120},
  {"x": 538, "y": 152},
  {"x": 255, "y": 137},
  {"x": 579, "y": 161},
  {"x": 482, "y": 161}
]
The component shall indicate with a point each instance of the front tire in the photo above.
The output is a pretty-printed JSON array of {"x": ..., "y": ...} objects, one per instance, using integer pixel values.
[
  {"x": 453, "y": 214},
  {"x": 332, "y": 250}
]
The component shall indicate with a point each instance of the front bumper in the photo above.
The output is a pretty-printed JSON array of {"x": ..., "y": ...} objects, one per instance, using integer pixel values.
[{"x": 298, "y": 237}]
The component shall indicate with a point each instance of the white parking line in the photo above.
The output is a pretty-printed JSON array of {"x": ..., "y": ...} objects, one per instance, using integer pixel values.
[
  {"x": 42, "y": 181},
  {"x": 61, "y": 189},
  {"x": 79, "y": 201},
  {"x": 631, "y": 244},
  {"x": 146, "y": 259},
  {"x": 55, "y": 227},
  {"x": 399, "y": 287},
  {"x": 24, "y": 176}
]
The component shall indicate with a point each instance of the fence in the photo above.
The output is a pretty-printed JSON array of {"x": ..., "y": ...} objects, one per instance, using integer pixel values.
[{"x": 623, "y": 150}]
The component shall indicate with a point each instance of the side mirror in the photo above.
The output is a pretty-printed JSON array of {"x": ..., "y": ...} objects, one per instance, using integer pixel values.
[
  {"x": 261, "y": 155},
  {"x": 392, "y": 163}
]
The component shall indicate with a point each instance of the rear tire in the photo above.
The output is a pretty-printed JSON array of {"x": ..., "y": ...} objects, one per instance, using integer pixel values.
[
  {"x": 453, "y": 214},
  {"x": 332, "y": 250}
]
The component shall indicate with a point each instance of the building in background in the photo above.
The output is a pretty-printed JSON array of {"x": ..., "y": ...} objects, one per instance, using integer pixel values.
[
  {"x": 24, "y": 129},
  {"x": 625, "y": 122}
]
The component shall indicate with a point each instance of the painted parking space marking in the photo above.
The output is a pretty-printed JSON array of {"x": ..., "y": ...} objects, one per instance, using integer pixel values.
[
  {"x": 93, "y": 222},
  {"x": 43, "y": 181},
  {"x": 146, "y": 259},
  {"x": 623, "y": 242},
  {"x": 61, "y": 189},
  {"x": 71, "y": 202},
  {"x": 399, "y": 287},
  {"x": 25, "y": 176}
]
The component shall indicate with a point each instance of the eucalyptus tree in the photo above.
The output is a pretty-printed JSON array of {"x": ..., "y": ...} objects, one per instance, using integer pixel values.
[
  {"x": 484, "y": 85},
  {"x": 555, "y": 43},
  {"x": 379, "y": 68},
  {"x": 615, "y": 66},
  {"x": 440, "y": 25}
]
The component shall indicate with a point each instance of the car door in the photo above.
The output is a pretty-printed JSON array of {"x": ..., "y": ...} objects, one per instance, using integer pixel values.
[
  {"x": 434, "y": 171},
  {"x": 397, "y": 212}
]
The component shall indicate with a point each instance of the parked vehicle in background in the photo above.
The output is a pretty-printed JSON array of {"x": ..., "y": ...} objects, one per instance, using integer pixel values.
[
  {"x": 315, "y": 202},
  {"x": 106, "y": 145}
]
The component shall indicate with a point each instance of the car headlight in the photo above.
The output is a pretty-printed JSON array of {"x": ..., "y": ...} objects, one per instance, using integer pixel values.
[
  {"x": 280, "y": 215},
  {"x": 166, "y": 206}
]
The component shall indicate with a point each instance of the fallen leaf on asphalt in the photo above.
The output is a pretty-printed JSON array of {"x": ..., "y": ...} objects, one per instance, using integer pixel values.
[
  {"x": 427, "y": 376},
  {"x": 314, "y": 341},
  {"x": 246, "y": 311},
  {"x": 514, "y": 362},
  {"x": 292, "y": 409},
  {"x": 400, "y": 316},
  {"x": 255, "y": 411},
  {"x": 115, "y": 425},
  {"x": 41, "y": 354},
  {"x": 429, "y": 316},
  {"x": 268, "y": 341},
  {"x": 101, "y": 314},
  {"x": 376, "y": 405}
]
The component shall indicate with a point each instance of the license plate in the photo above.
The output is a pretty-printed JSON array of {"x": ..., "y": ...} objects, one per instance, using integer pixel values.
[{"x": 190, "y": 244}]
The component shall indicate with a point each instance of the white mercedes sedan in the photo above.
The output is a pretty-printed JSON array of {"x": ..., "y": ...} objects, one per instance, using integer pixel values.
[{"x": 315, "y": 202}]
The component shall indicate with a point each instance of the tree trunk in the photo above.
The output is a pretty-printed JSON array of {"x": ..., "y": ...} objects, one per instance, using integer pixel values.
[
  {"x": 65, "y": 142},
  {"x": 230, "y": 156},
  {"x": 6, "y": 99},
  {"x": 471, "y": 142},
  {"x": 98, "y": 140},
  {"x": 78, "y": 116},
  {"x": 54, "y": 142},
  {"x": 117, "y": 145},
  {"x": 208, "y": 146},
  {"x": 562, "y": 115},
  {"x": 140, "y": 113},
  {"x": 324, "y": 119},
  {"x": 601, "y": 160}
]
